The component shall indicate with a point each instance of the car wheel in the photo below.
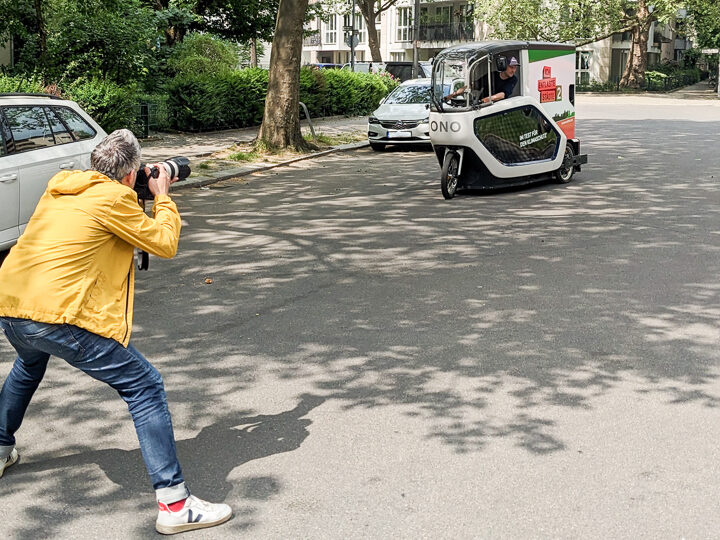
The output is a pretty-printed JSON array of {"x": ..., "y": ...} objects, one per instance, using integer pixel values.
[
  {"x": 449, "y": 177},
  {"x": 566, "y": 171},
  {"x": 377, "y": 146}
]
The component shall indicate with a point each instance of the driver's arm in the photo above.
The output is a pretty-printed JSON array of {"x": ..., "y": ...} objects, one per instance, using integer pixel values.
[{"x": 456, "y": 93}]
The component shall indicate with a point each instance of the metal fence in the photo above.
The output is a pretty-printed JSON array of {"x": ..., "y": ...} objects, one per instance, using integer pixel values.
[
  {"x": 149, "y": 117},
  {"x": 457, "y": 31}
]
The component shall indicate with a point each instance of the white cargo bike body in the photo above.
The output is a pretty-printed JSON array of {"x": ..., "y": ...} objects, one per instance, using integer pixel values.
[{"x": 526, "y": 137}]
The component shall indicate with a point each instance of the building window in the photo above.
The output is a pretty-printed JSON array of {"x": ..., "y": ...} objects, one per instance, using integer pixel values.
[
  {"x": 360, "y": 29},
  {"x": 404, "y": 24},
  {"x": 582, "y": 67},
  {"x": 397, "y": 56},
  {"x": 331, "y": 29},
  {"x": 442, "y": 14}
]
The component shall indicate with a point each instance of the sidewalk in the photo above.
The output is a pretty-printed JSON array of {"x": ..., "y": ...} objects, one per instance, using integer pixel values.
[
  {"x": 695, "y": 91},
  {"x": 699, "y": 90},
  {"x": 198, "y": 146}
]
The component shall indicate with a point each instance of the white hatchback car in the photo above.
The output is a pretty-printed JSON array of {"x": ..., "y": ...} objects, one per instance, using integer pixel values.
[
  {"x": 39, "y": 136},
  {"x": 402, "y": 117}
]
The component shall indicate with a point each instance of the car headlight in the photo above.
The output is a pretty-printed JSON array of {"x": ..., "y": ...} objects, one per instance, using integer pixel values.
[
  {"x": 424, "y": 120},
  {"x": 373, "y": 120}
]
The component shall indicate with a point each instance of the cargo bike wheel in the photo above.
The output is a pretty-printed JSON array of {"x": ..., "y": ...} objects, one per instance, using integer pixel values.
[
  {"x": 449, "y": 178},
  {"x": 566, "y": 171}
]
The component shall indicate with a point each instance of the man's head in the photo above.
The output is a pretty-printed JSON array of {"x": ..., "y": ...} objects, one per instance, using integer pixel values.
[
  {"x": 512, "y": 67},
  {"x": 117, "y": 155}
]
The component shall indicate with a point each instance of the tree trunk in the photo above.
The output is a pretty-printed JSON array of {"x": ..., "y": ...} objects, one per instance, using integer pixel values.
[
  {"x": 253, "y": 52},
  {"x": 42, "y": 31},
  {"x": 281, "y": 120},
  {"x": 367, "y": 8},
  {"x": 634, "y": 74}
]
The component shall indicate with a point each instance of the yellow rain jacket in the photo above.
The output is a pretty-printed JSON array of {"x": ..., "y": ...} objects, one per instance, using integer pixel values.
[{"x": 74, "y": 263}]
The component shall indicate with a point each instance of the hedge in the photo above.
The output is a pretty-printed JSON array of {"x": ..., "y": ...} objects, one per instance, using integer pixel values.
[
  {"x": 230, "y": 99},
  {"x": 659, "y": 79},
  {"x": 236, "y": 99}
]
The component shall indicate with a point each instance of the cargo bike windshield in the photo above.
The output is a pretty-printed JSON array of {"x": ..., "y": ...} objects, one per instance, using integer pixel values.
[{"x": 470, "y": 83}]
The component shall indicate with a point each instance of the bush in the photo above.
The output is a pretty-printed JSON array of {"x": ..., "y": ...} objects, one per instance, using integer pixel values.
[
  {"x": 670, "y": 78},
  {"x": 112, "y": 106},
  {"x": 20, "y": 83},
  {"x": 353, "y": 93},
  {"x": 232, "y": 99},
  {"x": 597, "y": 86},
  {"x": 202, "y": 54},
  {"x": 235, "y": 99}
]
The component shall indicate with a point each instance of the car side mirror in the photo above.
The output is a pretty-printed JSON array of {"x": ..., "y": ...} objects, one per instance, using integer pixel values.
[{"x": 427, "y": 105}]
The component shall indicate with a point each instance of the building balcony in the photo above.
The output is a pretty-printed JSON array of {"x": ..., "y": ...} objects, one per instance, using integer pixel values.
[
  {"x": 312, "y": 40},
  {"x": 456, "y": 31}
]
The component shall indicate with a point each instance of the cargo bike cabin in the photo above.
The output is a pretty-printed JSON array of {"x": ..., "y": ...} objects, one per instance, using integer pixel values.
[{"x": 484, "y": 139}]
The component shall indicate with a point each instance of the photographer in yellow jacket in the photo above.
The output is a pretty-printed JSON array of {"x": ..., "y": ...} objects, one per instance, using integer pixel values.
[{"x": 66, "y": 290}]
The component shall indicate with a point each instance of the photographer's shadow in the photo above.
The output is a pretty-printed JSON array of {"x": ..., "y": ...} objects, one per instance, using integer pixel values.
[{"x": 207, "y": 459}]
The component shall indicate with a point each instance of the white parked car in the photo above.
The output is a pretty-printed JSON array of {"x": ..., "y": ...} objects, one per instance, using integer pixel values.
[
  {"x": 39, "y": 136},
  {"x": 402, "y": 117}
]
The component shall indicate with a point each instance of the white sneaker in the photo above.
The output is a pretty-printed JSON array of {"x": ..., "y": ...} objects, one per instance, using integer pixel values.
[
  {"x": 196, "y": 514},
  {"x": 10, "y": 460}
]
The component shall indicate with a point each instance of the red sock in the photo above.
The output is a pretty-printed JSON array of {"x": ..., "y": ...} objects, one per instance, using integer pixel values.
[{"x": 173, "y": 507}]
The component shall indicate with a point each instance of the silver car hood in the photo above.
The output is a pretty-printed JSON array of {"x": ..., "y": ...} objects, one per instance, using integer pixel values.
[{"x": 402, "y": 111}]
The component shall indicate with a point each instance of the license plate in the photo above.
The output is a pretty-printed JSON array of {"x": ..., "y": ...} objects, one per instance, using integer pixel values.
[{"x": 399, "y": 134}]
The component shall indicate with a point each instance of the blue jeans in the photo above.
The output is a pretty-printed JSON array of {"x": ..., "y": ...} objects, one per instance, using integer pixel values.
[{"x": 106, "y": 360}]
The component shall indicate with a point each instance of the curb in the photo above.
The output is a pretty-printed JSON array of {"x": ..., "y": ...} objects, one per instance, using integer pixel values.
[{"x": 227, "y": 174}]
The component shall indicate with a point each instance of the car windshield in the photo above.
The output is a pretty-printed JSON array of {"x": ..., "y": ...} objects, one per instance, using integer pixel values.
[{"x": 410, "y": 94}]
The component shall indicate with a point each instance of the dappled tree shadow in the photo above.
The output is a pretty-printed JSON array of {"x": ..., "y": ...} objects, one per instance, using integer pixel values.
[
  {"x": 352, "y": 278},
  {"x": 207, "y": 460}
]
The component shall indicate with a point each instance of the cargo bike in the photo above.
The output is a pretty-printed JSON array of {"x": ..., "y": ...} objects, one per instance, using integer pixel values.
[{"x": 484, "y": 142}]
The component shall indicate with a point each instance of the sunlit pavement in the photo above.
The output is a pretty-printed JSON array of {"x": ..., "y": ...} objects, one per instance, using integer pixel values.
[{"x": 348, "y": 355}]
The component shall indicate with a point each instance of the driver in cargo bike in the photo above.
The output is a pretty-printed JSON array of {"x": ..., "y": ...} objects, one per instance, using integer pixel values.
[{"x": 503, "y": 84}]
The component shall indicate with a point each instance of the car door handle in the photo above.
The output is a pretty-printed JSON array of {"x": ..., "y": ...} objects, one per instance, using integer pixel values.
[
  {"x": 67, "y": 165},
  {"x": 8, "y": 178}
]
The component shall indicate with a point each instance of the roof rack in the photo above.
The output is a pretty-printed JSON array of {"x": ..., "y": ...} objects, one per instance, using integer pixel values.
[{"x": 29, "y": 94}]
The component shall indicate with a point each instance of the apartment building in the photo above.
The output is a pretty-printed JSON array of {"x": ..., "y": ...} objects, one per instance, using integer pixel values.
[
  {"x": 442, "y": 24},
  {"x": 605, "y": 60},
  {"x": 450, "y": 22}
]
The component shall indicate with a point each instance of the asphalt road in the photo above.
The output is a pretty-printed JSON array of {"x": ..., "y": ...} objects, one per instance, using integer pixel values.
[{"x": 372, "y": 361}]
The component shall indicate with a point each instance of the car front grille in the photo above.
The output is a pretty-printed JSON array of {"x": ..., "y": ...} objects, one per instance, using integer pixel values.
[{"x": 398, "y": 124}]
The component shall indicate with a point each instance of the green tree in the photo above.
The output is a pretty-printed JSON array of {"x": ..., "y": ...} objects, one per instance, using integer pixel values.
[
  {"x": 704, "y": 18},
  {"x": 174, "y": 17},
  {"x": 560, "y": 20},
  {"x": 111, "y": 39},
  {"x": 69, "y": 38},
  {"x": 23, "y": 22},
  {"x": 638, "y": 16},
  {"x": 581, "y": 21},
  {"x": 203, "y": 54},
  {"x": 238, "y": 20}
]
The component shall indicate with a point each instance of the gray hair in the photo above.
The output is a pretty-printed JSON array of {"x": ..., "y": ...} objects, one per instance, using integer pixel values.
[{"x": 117, "y": 154}]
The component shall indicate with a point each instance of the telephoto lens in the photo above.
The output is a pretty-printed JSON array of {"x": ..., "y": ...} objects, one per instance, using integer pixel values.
[{"x": 175, "y": 167}]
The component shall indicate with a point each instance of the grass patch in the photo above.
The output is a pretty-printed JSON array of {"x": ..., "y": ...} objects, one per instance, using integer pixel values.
[
  {"x": 334, "y": 140},
  {"x": 245, "y": 156}
]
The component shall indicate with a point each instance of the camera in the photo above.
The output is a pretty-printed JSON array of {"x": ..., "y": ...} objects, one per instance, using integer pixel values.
[{"x": 175, "y": 166}]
